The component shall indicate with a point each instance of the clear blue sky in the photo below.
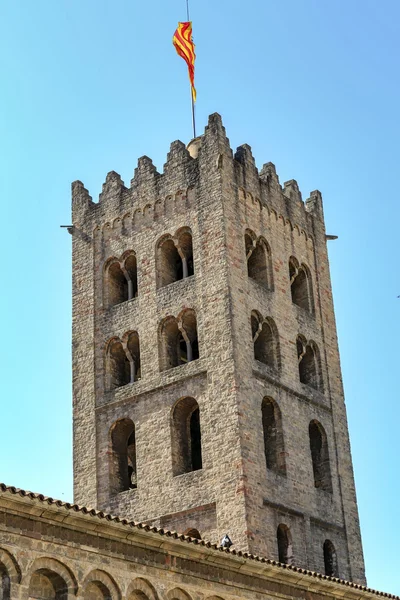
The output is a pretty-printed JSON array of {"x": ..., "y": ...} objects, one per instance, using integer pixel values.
[{"x": 312, "y": 85}]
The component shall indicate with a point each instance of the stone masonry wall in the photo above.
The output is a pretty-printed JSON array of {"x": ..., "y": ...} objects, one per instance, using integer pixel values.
[
  {"x": 51, "y": 550},
  {"x": 219, "y": 197}
]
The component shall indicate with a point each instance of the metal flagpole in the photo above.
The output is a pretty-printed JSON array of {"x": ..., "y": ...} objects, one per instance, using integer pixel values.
[{"x": 191, "y": 94}]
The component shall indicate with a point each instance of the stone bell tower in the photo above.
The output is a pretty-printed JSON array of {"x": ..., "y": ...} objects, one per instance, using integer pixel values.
[{"x": 208, "y": 394}]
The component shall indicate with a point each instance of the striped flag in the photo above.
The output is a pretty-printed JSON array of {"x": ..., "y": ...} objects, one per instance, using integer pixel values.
[{"x": 184, "y": 46}]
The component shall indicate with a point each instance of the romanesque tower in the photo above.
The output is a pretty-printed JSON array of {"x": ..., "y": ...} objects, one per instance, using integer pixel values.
[{"x": 207, "y": 385}]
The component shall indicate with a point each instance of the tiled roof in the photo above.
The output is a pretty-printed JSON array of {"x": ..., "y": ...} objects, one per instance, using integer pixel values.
[{"x": 184, "y": 538}]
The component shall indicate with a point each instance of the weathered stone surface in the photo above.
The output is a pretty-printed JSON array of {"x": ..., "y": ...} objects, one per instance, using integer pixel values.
[{"x": 219, "y": 197}]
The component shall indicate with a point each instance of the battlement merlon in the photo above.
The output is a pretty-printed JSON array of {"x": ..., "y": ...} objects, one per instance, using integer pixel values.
[
  {"x": 204, "y": 156},
  {"x": 81, "y": 201}
]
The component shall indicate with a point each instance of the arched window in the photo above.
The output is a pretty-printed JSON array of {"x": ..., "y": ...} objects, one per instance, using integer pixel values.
[
  {"x": 309, "y": 363},
  {"x": 330, "y": 559},
  {"x": 133, "y": 352},
  {"x": 130, "y": 271},
  {"x": 186, "y": 437},
  {"x": 320, "y": 456},
  {"x": 4, "y": 583},
  {"x": 47, "y": 585},
  {"x": 96, "y": 590},
  {"x": 123, "y": 475},
  {"x": 185, "y": 246},
  {"x": 118, "y": 367},
  {"x": 123, "y": 363},
  {"x": 274, "y": 448},
  {"x": 300, "y": 285},
  {"x": 120, "y": 280},
  {"x": 284, "y": 539},
  {"x": 258, "y": 255},
  {"x": 265, "y": 340},
  {"x": 174, "y": 258},
  {"x": 178, "y": 341},
  {"x": 193, "y": 533}
]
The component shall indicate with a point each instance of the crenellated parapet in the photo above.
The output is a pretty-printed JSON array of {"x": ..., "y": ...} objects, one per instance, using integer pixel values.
[{"x": 209, "y": 158}]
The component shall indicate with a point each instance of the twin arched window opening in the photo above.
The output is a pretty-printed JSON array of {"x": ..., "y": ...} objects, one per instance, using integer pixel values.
[
  {"x": 285, "y": 551},
  {"x": 174, "y": 258},
  {"x": 123, "y": 361},
  {"x": 186, "y": 437},
  {"x": 265, "y": 340},
  {"x": 185, "y": 445},
  {"x": 120, "y": 280},
  {"x": 301, "y": 285},
  {"x": 258, "y": 256},
  {"x": 274, "y": 448},
  {"x": 320, "y": 456},
  {"x": 123, "y": 475},
  {"x": 178, "y": 340},
  {"x": 309, "y": 363}
]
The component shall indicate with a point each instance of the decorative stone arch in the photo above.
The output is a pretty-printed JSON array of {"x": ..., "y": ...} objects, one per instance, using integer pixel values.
[
  {"x": 177, "y": 340},
  {"x": 11, "y": 566},
  {"x": 301, "y": 287},
  {"x": 141, "y": 589},
  {"x": 106, "y": 583},
  {"x": 177, "y": 594},
  {"x": 51, "y": 567},
  {"x": 174, "y": 257},
  {"x": 127, "y": 222},
  {"x": 265, "y": 339},
  {"x": 120, "y": 279},
  {"x": 137, "y": 217},
  {"x": 180, "y": 200},
  {"x": 309, "y": 361},
  {"x": 259, "y": 259}
]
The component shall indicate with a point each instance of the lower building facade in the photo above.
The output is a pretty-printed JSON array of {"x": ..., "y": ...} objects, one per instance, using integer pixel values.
[{"x": 53, "y": 550}]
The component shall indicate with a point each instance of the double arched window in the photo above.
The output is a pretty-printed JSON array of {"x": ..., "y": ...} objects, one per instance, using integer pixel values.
[
  {"x": 301, "y": 285},
  {"x": 309, "y": 363},
  {"x": 178, "y": 342},
  {"x": 120, "y": 279},
  {"x": 258, "y": 256},
  {"x": 265, "y": 340},
  {"x": 186, "y": 437},
  {"x": 123, "y": 361},
  {"x": 122, "y": 456},
  {"x": 174, "y": 257}
]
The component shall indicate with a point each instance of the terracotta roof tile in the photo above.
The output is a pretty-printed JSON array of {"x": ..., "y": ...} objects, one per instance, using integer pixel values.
[{"x": 161, "y": 531}]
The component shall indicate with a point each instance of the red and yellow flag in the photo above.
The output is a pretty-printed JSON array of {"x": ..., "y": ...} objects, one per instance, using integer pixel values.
[{"x": 184, "y": 46}]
